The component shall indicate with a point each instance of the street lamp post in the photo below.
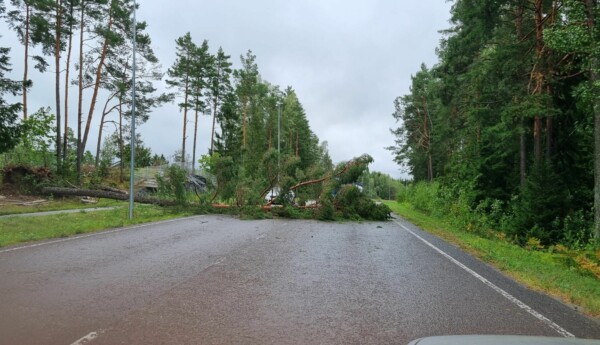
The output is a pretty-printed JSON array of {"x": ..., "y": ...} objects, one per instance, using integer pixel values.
[
  {"x": 132, "y": 165},
  {"x": 278, "y": 139}
]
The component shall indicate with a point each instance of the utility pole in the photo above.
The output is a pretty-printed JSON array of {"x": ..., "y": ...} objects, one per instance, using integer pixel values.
[{"x": 132, "y": 166}]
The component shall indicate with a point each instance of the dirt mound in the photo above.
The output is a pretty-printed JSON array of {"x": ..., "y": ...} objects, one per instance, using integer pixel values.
[{"x": 10, "y": 194}]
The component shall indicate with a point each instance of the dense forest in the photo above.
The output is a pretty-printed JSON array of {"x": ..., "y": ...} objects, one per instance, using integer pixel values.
[
  {"x": 260, "y": 141},
  {"x": 507, "y": 123}
]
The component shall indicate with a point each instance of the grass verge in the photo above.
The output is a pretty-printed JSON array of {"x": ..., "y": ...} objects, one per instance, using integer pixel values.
[
  {"x": 554, "y": 273},
  {"x": 55, "y": 205},
  {"x": 15, "y": 230}
]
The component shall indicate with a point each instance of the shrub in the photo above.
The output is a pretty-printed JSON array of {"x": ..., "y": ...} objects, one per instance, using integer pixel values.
[
  {"x": 326, "y": 211},
  {"x": 290, "y": 212},
  {"x": 353, "y": 204},
  {"x": 173, "y": 184}
]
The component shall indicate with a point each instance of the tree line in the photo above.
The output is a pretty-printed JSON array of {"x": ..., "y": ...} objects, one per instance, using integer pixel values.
[
  {"x": 88, "y": 46},
  {"x": 508, "y": 120},
  {"x": 101, "y": 34},
  {"x": 261, "y": 145}
]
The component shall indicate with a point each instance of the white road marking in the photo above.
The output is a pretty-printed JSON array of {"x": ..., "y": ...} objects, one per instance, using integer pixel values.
[
  {"x": 508, "y": 296},
  {"x": 94, "y": 234},
  {"x": 86, "y": 339}
]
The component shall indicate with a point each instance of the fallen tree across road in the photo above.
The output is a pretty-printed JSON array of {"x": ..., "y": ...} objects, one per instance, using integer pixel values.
[{"x": 58, "y": 191}]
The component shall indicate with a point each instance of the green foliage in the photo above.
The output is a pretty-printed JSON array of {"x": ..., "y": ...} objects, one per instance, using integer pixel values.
[
  {"x": 143, "y": 155},
  {"x": 353, "y": 204},
  {"x": 34, "y": 148},
  {"x": 291, "y": 212},
  {"x": 173, "y": 184},
  {"x": 538, "y": 210},
  {"x": 502, "y": 123},
  {"x": 378, "y": 185},
  {"x": 326, "y": 210},
  {"x": 10, "y": 129}
]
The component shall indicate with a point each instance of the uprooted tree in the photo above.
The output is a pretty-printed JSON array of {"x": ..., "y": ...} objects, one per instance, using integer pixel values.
[{"x": 332, "y": 194}]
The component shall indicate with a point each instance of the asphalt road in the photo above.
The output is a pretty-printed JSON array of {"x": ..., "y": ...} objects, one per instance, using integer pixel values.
[{"x": 218, "y": 280}]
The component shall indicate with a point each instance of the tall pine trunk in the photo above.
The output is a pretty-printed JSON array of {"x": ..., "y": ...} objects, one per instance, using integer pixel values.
[
  {"x": 538, "y": 78},
  {"x": 195, "y": 137},
  {"x": 80, "y": 89},
  {"x": 522, "y": 138},
  {"x": 215, "y": 105},
  {"x": 244, "y": 128},
  {"x": 100, "y": 131},
  {"x": 185, "y": 111},
  {"x": 427, "y": 135},
  {"x": 97, "y": 82},
  {"x": 57, "y": 91},
  {"x": 67, "y": 70}
]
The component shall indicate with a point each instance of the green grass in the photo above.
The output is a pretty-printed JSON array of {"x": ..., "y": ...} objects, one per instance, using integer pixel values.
[
  {"x": 15, "y": 230},
  {"x": 554, "y": 273},
  {"x": 59, "y": 204}
]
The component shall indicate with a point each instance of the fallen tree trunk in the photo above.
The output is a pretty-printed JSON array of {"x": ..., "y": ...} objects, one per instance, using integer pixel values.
[
  {"x": 57, "y": 191},
  {"x": 347, "y": 167}
]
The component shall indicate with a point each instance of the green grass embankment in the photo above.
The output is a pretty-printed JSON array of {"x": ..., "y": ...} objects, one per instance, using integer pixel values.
[
  {"x": 56, "y": 205},
  {"x": 15, "y": 230},
  {"x": 557, "y": 271}
]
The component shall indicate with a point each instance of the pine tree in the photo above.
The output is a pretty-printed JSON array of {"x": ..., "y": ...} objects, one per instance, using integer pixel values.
[
  {"x": 181, "y": 78},
  {"x": 246, "y": 83},
  {"x": 9, "y": 127},
  {"x": 201, "y": 72},
  {"x": 220, "y": 86},
  {"x": 28, "y": 20},
  {"x": 118, "y": 81}
]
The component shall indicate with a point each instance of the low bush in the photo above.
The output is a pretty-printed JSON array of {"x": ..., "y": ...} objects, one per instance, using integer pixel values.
[{"x": 172, "y": 185}]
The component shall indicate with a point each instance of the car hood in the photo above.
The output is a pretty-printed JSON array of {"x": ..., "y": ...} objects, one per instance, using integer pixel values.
[{"x": 500, "y": 340}]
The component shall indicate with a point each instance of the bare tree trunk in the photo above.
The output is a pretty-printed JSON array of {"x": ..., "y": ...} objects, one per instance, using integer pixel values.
[
  {"x": 56, "y": 191},
  {"x": 57, "y": 91},
  {"x": 522, "y": 154},
  {"x": 538, "y": 77},
  {"x": 215, "y": 105},
  {"x": 522, "y": 138},
  {"x": 429, "y": 167},
  {"x": 348, "y": 165},
  {"x": 212, "y": 133},
  {"x": 427, "y": 136},
  {"x": 121, "y": 143},
  {"x": 26, "y": 60},
  {"x": 194, "y": 148},
  {"x": 270, "y": 136},
  {"x": 67, "y": 70},
  {"x": 549, "y": 139},
  {"x": 80, "y": 89},
  {"x": 185, "y": 111},
  {"x": 594, "y": 79},
  {"x": 97, "y": 84},
  {"x": 244, "y": 128},
  {"x": 100, "y": 130}
]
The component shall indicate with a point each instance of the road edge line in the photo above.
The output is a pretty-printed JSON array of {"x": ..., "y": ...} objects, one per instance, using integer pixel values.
[
  {"x": 499, "y": 290},
  {"x": 87, "y": 338}
]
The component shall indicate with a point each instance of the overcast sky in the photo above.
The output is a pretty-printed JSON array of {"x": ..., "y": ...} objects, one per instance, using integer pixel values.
[{"x": 347, "y": 60}]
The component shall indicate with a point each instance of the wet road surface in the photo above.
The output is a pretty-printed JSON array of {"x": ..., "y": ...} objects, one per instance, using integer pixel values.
[{"x": 219, "y": 280}]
